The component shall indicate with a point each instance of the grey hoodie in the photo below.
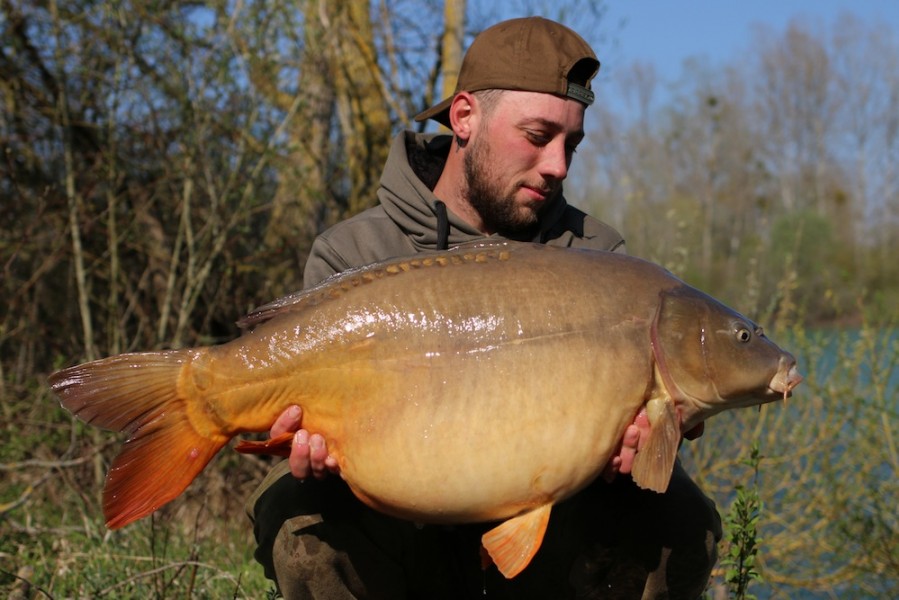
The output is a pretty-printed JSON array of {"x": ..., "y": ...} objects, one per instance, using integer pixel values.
[{"x": 410, "y": 219}]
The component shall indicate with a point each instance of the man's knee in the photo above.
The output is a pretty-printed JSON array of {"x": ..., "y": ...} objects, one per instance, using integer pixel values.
[
  {"x": 316, "y": 540},
  {"x": 669, "y": 541},
  {"x": 305, "y": 554},
  {"x": 313, "y": 558},
  {"x": 687, "y": 528}
]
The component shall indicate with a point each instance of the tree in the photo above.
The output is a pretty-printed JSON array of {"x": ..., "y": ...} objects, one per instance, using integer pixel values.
[{"x": 754, "y": 182}]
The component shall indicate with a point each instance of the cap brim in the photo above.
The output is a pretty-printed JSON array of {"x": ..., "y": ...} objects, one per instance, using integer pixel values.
[{"x": 438, "y": 112}]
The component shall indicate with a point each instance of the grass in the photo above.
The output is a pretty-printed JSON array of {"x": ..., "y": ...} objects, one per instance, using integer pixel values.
[
  {"x": 822, "y": 531},
  {"x": 185, "y": 551},
  {"x": 53, "y": 543},
  {"x": 144, "y": 562}
]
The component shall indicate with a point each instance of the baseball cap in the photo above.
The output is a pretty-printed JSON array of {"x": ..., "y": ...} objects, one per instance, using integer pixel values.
[{"x": 529, "y": 54}]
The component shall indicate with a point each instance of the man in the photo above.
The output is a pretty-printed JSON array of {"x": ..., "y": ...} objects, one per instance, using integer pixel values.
[{"x": 516, "y": 119}]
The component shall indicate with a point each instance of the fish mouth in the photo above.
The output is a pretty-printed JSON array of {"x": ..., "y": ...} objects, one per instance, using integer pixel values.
[{"x": 786, "y": 378}]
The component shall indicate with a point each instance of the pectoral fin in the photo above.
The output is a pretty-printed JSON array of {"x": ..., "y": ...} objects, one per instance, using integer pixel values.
[
  {"x": 654, "y": 461},
  {"x": 513, "y": 543}
]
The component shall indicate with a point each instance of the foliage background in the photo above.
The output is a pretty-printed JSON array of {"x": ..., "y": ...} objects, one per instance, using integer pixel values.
[{"x": 166, "y": 165}]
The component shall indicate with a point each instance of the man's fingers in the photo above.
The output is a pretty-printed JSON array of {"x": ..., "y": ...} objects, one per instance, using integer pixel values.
[
  {"x": 309, "y": 456},
  {"x": 629, "y": 444},
  {"x": 642, "y": 423},
  {"x": 635, "y": 436},
  {"x": 299, "y": 455},
  {"x": 289, "y": 420},
  {"x": 318, "y": 453},
  {"x": 631, "y": 437},
  {"x": 623, "y": 460}
]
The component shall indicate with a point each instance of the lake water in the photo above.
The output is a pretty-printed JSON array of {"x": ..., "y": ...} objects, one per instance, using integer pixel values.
[{"x": 830, "y": 481}]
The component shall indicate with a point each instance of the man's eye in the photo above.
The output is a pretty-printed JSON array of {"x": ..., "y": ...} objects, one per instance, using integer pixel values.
[{"x": 538, "y": 138}]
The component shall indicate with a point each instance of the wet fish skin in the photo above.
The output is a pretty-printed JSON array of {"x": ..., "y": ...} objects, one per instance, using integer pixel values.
[{"x": 480, "y": 384}]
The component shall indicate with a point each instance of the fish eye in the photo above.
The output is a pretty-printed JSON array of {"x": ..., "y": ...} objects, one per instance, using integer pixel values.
[{"x": 743, "y": 334}]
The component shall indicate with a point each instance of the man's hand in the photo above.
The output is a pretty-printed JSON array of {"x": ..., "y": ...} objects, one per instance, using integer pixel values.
[
  {"x": 634, "y": 435},
  {"x": 623, "y": 461},
  {"x": 308, "y": 454}
]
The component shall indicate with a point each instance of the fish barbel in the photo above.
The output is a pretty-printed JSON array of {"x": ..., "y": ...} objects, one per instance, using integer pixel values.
[{"x": 532, "y": 359}]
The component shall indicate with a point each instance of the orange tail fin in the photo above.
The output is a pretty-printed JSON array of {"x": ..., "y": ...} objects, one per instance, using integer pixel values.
[{"x": 137, "y": 394}]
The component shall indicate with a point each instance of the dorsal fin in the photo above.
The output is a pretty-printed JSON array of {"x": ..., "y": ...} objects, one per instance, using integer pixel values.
[{"x": 336, "y": 285}]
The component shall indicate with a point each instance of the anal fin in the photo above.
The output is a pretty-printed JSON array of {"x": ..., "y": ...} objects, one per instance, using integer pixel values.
[
  {"x": 513, "y": 543},
  {"x": 277, "y": 446}
]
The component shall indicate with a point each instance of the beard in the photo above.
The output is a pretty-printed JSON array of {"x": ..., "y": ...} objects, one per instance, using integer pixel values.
[{"x": 499, "y": 210}]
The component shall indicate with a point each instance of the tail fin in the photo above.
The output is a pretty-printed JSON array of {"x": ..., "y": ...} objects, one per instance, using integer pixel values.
[{"x": 138, "y": 394}]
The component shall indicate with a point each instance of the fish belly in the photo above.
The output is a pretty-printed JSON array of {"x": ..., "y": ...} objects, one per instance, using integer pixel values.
[
  {"x": 479, "y": 437},
  {"x": 447, "y": 406}
]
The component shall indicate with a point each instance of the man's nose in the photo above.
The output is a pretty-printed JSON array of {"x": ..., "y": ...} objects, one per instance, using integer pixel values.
[{"x": 555, "y": 160}]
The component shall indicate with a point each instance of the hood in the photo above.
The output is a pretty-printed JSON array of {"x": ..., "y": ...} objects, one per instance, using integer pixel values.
[{"x": 413, "y": 167}]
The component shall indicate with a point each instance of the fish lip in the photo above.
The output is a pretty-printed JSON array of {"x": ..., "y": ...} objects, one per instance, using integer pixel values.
[{"x": 785, "y": 380}]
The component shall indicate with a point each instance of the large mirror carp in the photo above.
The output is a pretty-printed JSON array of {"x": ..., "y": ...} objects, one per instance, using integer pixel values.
[{"x": 474, "y": 385}]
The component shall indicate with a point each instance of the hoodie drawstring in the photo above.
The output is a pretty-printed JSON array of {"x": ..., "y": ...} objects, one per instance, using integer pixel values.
[{"x": 442, "y": 225}]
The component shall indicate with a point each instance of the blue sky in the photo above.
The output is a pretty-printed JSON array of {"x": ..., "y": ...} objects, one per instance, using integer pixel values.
[{"x": 665, "y": 32}]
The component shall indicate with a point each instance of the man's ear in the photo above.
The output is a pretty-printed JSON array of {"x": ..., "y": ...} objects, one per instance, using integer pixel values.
[{"x": 463, "y": 116}]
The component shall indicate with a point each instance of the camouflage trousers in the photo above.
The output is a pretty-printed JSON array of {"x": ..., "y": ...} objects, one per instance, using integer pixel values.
[{"x": 316, "y": 540}]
